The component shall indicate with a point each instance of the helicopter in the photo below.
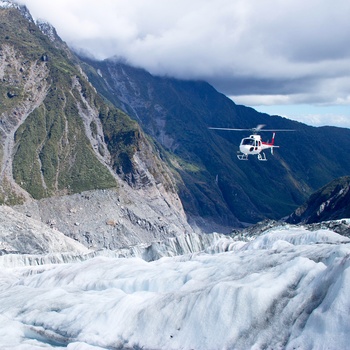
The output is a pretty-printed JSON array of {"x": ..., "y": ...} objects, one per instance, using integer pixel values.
[{"x": 253, "y": 145}]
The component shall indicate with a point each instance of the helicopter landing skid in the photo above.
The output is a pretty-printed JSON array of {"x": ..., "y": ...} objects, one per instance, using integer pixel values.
[
  {"x": 262, "y": 156},
  {"x": 242, "y": 156}
]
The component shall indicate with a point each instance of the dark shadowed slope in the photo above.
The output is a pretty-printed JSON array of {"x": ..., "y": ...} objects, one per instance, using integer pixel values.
[
  {"x": 213, "y": 182},
  {"x": 331, "y": 202}
]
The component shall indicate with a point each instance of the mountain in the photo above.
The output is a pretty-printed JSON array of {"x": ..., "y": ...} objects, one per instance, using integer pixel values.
[
  {"x": 213, "y": 184},
  {"x": 331, "y": 202},
  {"x": 58, "y": 136},
  {"x": 63, "y": 147},
  {"x": 46, "y": 103},
  {"x": 65, "y": 128}
]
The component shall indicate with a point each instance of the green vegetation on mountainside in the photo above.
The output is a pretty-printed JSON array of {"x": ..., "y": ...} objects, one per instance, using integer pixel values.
[
  {"x": 53, "y": 154},
  {"x": 121, "y": 135}
]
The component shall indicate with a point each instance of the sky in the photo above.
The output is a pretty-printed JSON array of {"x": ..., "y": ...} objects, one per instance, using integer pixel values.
[{"x": 290, "y": 57}]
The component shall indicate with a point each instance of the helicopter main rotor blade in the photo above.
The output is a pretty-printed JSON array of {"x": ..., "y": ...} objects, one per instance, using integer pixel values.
[
  {"x": 260, "y": 128},
  {"x": 230, "y": 129},
  {"x": 253, "y": 129},
  {"x": 277, "y": 130}
]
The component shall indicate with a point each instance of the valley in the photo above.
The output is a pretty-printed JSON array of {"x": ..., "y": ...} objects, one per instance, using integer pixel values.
[{"x": 126, "y": 223}]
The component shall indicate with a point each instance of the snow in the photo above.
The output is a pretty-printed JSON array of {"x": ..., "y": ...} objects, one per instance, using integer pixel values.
[
  {"x": 7, "y": 4},
  {"x": 285, "y": 289}
]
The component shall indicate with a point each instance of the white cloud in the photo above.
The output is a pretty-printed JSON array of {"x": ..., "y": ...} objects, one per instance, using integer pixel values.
[
  {"x": 264, "y": 100},
  {"x": 321, "y": 119},
  {"x": 293, "y": 50},
  {"x": 335, "y": 115}
]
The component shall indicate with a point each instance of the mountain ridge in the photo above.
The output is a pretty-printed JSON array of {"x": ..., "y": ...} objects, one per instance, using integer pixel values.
[{"x": 215, "y": 185}]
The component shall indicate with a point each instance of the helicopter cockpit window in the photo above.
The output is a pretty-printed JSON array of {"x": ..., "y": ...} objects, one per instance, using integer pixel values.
[{"x": 248, "y": 142}]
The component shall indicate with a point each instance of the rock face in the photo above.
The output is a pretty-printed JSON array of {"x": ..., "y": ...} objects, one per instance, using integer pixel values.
[
  {"x": 58, "y": 136},
  {"x": 17, "y": 78},
  {"x": 331, "y": 202},
  {"x": 48, "y": 119},
  {"x": 79, "y": 227}
]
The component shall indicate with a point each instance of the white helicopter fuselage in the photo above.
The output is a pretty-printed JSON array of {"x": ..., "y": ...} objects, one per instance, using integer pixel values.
[{"x": 253, "y": 145}]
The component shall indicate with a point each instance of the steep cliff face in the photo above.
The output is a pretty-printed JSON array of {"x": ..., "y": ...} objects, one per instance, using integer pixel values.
[
  {"x": 23, "y": 89},
  {"x": 57, "y": 135},
  {"x": 331, "y": 202},
  {"x": 49, "y": 118}
]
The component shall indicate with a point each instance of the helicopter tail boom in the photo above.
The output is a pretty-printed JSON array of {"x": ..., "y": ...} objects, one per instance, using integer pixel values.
[{"x": 272, "y": 141}]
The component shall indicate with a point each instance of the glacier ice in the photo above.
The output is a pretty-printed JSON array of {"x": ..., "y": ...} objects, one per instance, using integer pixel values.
[{"x": 285, "y": 289}]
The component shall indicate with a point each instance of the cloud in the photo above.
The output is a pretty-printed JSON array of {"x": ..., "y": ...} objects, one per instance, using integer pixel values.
[
  {"x": 308, "y": 114},
  {"x": 291, "y": 48}
]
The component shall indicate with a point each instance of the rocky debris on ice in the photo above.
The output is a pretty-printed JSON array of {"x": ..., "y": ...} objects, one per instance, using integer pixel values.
[
  {"x": 20, "y": 234},
  {"x": 110, "y": 219}
]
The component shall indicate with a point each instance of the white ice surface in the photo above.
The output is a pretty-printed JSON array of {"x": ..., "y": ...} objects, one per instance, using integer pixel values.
[{"x": 289, "y": 288}]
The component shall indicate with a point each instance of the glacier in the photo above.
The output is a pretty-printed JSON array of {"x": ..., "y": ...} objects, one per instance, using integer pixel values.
[{"x": 286, "y": 288}]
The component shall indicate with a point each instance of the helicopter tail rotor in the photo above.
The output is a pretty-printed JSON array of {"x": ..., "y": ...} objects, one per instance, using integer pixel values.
[{"x": 273, "y": 138}]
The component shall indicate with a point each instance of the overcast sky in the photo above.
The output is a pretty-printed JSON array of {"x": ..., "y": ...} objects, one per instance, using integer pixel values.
[{"x": 286, "y": 57}]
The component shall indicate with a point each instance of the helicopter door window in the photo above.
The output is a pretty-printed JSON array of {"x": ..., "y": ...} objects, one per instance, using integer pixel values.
[{"x": 248, "y": 142}]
